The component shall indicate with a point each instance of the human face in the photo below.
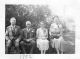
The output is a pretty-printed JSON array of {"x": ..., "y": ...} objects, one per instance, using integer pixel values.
[
  {"x": 42, "y": 25},
  {"x": 28, "y": 25},
  {"x": 56, "y": 19},
  {"x": 13, "y": 21}
]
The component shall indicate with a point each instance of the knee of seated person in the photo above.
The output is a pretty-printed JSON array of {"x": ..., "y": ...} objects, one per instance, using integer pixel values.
[
  {"x": 33, "y": 42},
  {"x": 8, "y": 43},
  {"x": 61, "y": 37},
  {"x": 16, "y": 44},
  {"x": 22, "y": 42}
]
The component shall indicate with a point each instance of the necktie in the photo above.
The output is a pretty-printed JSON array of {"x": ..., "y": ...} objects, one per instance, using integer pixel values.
[{"x": 13, "y": 31}]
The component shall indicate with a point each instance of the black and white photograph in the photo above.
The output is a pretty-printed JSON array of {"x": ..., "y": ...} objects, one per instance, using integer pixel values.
[
  {"x": 39, "y": 29},
  {"x": 34, "y": 29}
]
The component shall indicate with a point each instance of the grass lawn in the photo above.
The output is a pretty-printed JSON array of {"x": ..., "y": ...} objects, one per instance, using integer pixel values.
[{"x": 69, "y": 46}]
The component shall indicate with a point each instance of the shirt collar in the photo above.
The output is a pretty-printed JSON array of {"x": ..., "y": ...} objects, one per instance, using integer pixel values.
[{"x": 13, "y": 26}]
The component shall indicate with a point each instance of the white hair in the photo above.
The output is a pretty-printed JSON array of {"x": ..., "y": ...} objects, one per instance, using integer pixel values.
[{"x": 28, "y": 22}]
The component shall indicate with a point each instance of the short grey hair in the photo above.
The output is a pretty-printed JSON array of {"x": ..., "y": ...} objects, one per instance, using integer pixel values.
[{"x": 28, "y": 22}]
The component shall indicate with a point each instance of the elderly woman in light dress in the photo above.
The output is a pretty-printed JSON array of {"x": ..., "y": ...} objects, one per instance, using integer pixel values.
[
  {"x": 42, "y": 35},
  {"x": 56, "y": 38}
]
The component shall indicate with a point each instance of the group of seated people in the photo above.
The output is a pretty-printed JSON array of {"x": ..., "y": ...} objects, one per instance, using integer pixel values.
[{"x": 28, "y": 37}]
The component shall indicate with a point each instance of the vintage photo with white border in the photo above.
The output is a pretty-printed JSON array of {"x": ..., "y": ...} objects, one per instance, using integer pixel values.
[{"x": 39, "y": 29}]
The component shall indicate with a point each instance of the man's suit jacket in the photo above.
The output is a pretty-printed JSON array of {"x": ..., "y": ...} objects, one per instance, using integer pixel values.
[
  {"x": 13, "y": 34},
  {"x": 28, "y": 34}
]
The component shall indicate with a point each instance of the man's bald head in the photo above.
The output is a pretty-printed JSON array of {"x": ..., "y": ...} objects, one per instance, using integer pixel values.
[{"x": 28, "y": 24}]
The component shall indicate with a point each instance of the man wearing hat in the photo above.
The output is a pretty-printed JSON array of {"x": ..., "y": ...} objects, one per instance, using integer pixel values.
[
  {"x": 28, "y": 38},
  {"x": 12, "y": 35}
]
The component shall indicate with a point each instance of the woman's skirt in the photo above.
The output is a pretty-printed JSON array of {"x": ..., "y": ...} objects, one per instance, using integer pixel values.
[
  {"x": 57, "y": 43},
  {"x": 42, "y": 44}
]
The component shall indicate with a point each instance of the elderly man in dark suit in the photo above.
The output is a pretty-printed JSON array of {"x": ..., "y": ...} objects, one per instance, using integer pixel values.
[
  {"x": 28, "y": 38},
  {"x": 12, "y": 36}
]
